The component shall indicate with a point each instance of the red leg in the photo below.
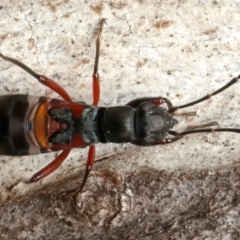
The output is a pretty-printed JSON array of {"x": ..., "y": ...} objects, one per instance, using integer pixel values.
[
  {"x": 96, "y": 90},
  {"x": 50, "y": 167},
  {"x": 89, "y": 165},
  {"x": 96, "y": 96},
  {"x": 55, "y": 87},
  {"x": 42, "y": 79}
]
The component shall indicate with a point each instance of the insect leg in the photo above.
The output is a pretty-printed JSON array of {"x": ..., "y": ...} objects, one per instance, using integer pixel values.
[
  {"x": 42, "y": 79},
  {"x": 89, "y": 165},
  {"x": 51, "y": 166},
  {"x": 96, "y": 81},
  {"x": 96, "y": 96}
]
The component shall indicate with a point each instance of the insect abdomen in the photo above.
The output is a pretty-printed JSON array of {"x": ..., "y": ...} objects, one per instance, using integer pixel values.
[{"x": 12, "y": 114}]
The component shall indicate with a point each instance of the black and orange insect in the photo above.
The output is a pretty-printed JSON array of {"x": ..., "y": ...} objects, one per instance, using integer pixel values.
[{"x": 33, "y": 125}]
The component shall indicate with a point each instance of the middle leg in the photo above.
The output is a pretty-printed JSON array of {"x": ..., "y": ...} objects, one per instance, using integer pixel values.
[{"x": 96, "y": 96}]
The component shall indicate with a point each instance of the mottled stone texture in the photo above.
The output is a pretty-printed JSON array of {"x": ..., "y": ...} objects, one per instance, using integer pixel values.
[{"x": 145, "y": 205}]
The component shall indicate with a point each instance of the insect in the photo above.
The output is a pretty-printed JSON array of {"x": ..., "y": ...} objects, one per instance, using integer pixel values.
[{"x": 33, "y": 125}]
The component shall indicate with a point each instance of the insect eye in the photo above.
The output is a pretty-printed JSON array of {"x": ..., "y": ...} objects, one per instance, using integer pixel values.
[
  {"x": 148, "y": 140},
  {"x": 28, "y": 126},
  {"x": 146, "y": 107}
]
